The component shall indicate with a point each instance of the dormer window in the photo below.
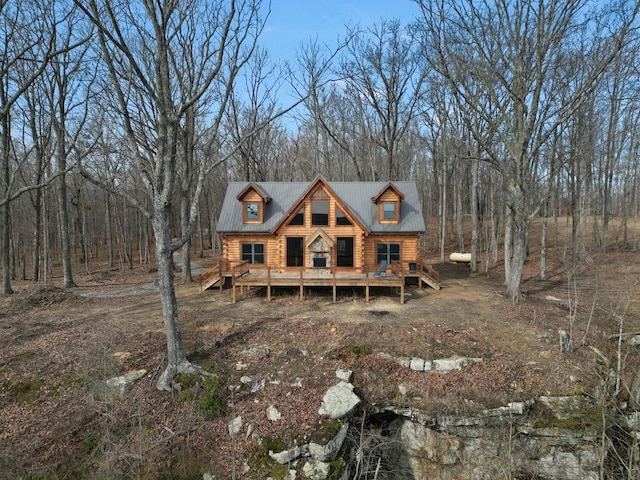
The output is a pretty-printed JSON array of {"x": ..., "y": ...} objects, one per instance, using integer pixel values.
[
  {"x": 388, "y": 201},
  {"x": 389, "y": 211},
  {"x": 253, "y": 200},
  {"x": 252, "y": 212}
]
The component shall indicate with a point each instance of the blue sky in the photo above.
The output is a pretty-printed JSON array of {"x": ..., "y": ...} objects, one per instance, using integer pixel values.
[{"x": 293, "y": 22}]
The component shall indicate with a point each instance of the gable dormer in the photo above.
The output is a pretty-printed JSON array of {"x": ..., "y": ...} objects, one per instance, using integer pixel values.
[
  {"x": 254, "y": 199},
  {"x": 320, "y": 206},
  {"x": 388, "y": 201}
]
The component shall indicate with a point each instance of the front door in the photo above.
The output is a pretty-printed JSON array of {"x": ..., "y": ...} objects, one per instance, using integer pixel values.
[
  {"x": 295, "y": 251},
  {"x": 344, "y": 252}
]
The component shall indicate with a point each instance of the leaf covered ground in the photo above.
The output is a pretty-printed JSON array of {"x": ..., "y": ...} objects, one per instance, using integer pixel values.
[{"x": 57, "y": 347}]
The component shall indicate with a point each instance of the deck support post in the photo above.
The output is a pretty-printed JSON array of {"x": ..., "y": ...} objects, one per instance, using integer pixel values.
[
  {"x": 268, "y": 284},
  {"x": 334, "y": 285},
  {"x": 233, "y": 283},
  {"x": 402, "y": 286},
  {"x": 301, "y": 286},
  {"x": 419, "y": 276},
  {"x": 366, "y": 286}
]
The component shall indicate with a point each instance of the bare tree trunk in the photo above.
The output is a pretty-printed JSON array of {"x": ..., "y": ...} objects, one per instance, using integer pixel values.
[
  {"x": 443, "y": 209},
  {"x": 543, "y": 247},
  {"x": 63, "y": 211},
  {"x": 108, "y": 229},
  {"x": 200, "y": 235},
  {"x": 85, "y": 236},
  {"x": 6, "y": 208},
  {"x": 475, "y": 217},
  {"x": 176, "y": 360},
  {"x": 458, "y": 188},
  {"x": 36, "y": 237},
  {"x": 186, "y": 248}
]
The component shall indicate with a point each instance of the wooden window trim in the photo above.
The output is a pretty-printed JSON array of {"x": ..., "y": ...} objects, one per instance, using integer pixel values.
[
  {"x": 326, "y": 202},
  {"x": 253, "y": 252},
  {"x": 388, "y": 244},
  {"x": 396, "y": 217},
  {"x": 245, "y": 206},
  {"x": 344, "y": 215},
  {"x": 300, "y": 211}
]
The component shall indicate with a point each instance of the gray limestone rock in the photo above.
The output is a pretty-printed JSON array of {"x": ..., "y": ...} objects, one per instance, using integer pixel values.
[
  {"x": 287, "y": 456},
  {"x": 316, "y": 470},
  {"x": 235, "y": 426},
  {"x": 339, "y": 401},
  {"x": 273, "y": 414},
  {"x": 116, "y": 387},
  {"x": 329, "y": 452},
  {"x": 417, "y": 364}
]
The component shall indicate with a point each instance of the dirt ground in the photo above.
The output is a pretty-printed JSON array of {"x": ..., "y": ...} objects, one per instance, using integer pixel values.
[{"x": 58, "y": 346}]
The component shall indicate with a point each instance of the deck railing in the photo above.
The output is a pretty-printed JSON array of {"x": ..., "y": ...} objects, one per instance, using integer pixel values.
[{"x": 425, "y": 267}]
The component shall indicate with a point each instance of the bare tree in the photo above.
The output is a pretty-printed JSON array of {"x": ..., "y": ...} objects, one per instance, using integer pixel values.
[
  {"x": 143, "y": 45},
  {"x": 383, "y": 70},
  {"x": 520, "y": 54},
  {"x": 251, "y": 106},
  {"x": 28, "y": 45},
  {"x": 70, "y": 77}
]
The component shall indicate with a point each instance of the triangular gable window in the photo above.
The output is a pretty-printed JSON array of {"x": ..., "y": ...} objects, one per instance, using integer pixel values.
[
  {"x": 298, "y": 218},
  {"x": 341, "y": 218}
]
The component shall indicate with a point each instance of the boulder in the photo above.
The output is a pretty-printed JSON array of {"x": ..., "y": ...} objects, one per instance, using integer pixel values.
[
  {"x": 344, "y": 375},
  {"x": 287, "y": 456},
  {"x": 339, "y": 401},
  {"x": 417, "y": 364},
  {"x": 634, "y": 393},
  {"x": 235, "y": 426},
  {"x": 421, "y": 442},
  {"x": 316, "y": 470},
  {"x": 116, "y": 387},
  {"x": 329, "y": 452}
]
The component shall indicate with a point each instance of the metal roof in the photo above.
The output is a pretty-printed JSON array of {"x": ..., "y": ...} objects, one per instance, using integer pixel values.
[{"x": 356, "y": 196}]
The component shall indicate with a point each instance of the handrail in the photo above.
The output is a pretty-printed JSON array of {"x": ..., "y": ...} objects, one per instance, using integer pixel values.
[
  {"x": 234, "y": 269},
  {"x": 215, "y": 269},
  {"x": 425, "y": 267}
]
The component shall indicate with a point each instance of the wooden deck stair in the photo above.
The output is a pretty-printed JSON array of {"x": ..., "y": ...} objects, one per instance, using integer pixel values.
[
  {"x": 428, "y": 275},
  {"x": 211, "y": 276}
]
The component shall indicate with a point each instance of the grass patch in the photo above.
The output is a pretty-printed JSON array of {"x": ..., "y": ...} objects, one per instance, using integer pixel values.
[
  {"x": 22, "y": 357},
  {"x": 358, "y": 350},
  {"x": 572, "y": 416},
  {"x": 262, "y": 465},
  {"x": 208, "y": 392},
  {"x": 337, "y": 468},
  {"x": 24, "y": 390},
  {"x": 326, "y": 431},
  {"x": 350, "y": 351}
]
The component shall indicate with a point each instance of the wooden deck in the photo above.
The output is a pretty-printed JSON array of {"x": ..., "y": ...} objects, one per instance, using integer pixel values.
[{"x": 243, "y": 278}]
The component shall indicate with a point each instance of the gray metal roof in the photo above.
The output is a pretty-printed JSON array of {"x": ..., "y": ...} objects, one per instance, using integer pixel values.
[{"x": 356, "y": 196}]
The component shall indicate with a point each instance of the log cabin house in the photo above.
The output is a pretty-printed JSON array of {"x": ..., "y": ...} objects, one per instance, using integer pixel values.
[{"x": 347, "y": 233}]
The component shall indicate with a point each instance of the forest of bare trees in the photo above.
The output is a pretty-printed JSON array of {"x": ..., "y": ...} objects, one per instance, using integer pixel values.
[{"x": 122, "y": 122}]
